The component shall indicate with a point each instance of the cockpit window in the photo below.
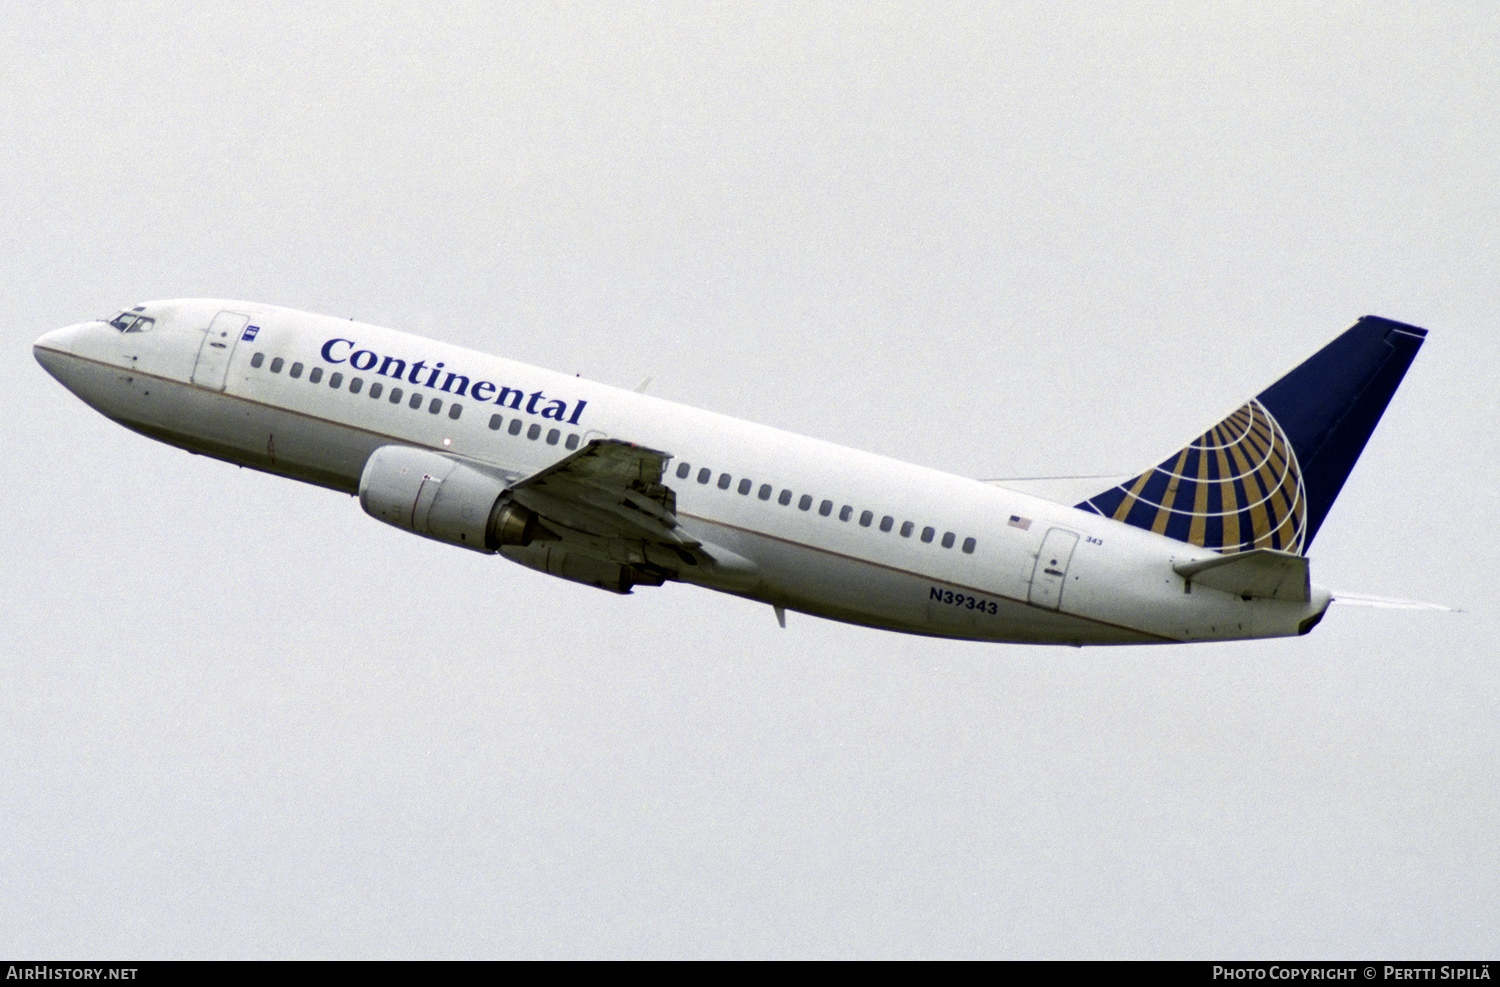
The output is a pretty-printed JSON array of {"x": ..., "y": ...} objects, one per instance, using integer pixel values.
[{"x": 131, "y": 322}]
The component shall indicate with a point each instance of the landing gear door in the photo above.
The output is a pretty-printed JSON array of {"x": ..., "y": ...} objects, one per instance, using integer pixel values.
[
  {"x": 1051, "y": 571},
  {"x": 218, "y": 346}
]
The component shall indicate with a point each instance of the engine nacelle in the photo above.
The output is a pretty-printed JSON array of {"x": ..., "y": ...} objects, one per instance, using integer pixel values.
[
  {"x": 439, "y": 497},
  {"x": 443, "y": 498}
]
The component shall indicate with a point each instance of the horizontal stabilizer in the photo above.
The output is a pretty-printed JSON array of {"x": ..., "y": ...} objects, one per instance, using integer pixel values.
[{"x": 1263, "y": 573}]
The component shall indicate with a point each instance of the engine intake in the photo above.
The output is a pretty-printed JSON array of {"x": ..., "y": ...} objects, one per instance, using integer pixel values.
[{"x": 442, "y": 498}]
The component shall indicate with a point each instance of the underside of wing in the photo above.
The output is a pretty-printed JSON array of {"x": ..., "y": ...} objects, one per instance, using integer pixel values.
[
  {"x": 607, "y": 489},
  {"x": 604, "y": 517}
]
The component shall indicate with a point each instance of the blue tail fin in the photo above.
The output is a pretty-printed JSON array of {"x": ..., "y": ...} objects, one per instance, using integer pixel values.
[{"x": 1266, "y": 476}]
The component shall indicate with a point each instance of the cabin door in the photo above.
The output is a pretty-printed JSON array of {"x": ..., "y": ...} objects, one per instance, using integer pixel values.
[
  {"x": 1051, "y": 571},
  {"x": 218, "y": 345}
]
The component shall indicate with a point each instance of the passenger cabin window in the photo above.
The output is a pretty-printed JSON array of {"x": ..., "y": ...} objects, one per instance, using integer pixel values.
[
  {"x": 396, "y": 394},
  {"x": 314, "y": 375},
  {"x": 572, "y": 442},
  {"x": 375, "y": 388},
  {"x": 356, "y": 384},
  {"x": 257, "y": 360},
  {"x": 495, "y": 423},
  {"x": 928, "y": 535},
  {"x": 296, "y": 370},
  {"x": 552, "y": 436},
  {"x": 276, "y": 364},
  {"x": 335, "y": 379},
  {"x": 515, "y": 426}
]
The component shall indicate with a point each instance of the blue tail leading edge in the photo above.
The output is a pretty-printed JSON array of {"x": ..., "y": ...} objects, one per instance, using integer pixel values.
[{"x": 1266, "y": 476}]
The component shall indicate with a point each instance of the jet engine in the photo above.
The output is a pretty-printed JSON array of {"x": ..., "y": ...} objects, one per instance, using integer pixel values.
[
  {"x": 445, "y": 499},
  {"x": 442, "y": 498}
]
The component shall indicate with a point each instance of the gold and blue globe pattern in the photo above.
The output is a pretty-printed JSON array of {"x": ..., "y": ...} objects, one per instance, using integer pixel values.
[{"x": 1235, "y": 488}]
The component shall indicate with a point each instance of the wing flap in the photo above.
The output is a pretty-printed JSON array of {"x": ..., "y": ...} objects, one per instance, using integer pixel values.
[
  {"x": 607, "y": 489},
  {"x": 607, "y": 502}
]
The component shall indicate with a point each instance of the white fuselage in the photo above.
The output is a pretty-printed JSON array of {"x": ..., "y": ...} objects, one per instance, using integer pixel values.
[{"x": 956, "y": 557}]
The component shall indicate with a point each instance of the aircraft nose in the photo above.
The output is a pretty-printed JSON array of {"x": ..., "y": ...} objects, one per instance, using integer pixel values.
[{"x": 53, "y": 352}]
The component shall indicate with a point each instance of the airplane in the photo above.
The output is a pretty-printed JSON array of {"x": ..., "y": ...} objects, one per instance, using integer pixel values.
[{"x": 616, "y": 489}]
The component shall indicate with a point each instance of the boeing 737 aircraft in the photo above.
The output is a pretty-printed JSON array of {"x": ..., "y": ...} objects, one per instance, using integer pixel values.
[{"x": 616, "y": 489}]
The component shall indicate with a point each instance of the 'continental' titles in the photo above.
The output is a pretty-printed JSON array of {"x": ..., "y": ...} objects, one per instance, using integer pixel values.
[{"x": 420, "y": 374}]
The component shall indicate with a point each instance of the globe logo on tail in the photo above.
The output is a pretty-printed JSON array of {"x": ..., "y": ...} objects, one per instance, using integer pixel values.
[{"x": 1236, "y": 487}]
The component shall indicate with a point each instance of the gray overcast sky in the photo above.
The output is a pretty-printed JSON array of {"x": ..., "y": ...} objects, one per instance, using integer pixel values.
[{"x": 241, "y": 719}]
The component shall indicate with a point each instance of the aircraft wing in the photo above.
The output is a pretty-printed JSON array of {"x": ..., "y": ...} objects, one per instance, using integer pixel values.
[
  {"x": 608, "y": 489},
  {"x": 604, "y": 517}
]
